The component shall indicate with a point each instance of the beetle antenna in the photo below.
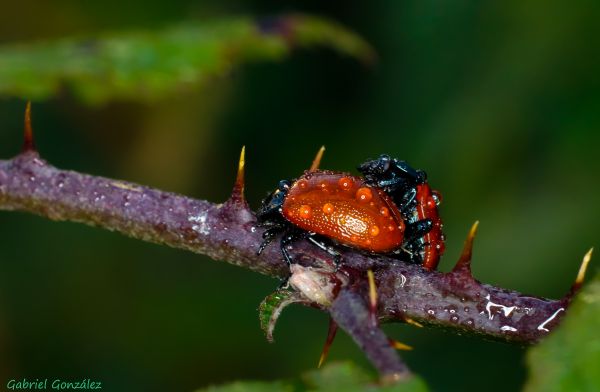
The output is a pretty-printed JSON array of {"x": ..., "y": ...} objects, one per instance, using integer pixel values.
[
  {"x": 333, "y": 327},
  {"x": 28, "y": 142},
  {"x": 237, "y": 194},
  {"x": 463, "y": 265},
  {"x": 317, "y": 161}
]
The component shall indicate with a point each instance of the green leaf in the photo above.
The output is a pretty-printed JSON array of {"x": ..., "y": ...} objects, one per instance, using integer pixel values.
[
  {"x": 343, "y": 376},
  {"x": 569, "y": 359},
  {"x": 271, "y": 307},
  {"x": 146, "y": 65}
]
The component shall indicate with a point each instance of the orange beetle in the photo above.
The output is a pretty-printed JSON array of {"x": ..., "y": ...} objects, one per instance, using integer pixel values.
[{"x": 391, "y": 210}]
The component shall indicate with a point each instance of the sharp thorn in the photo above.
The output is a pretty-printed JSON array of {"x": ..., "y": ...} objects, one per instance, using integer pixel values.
[
  {"x": 399, "y": 345},
  {"x": 410, "y": 321},
  {"x": 372, "y": 298},
  {"x": 333, "y": 327},
  {"x": 238, "y": 188},
  {"x": 317, "y": 161},
  {"x": 463, "y": 264},
  {"x": 582, "y": 269},
  {"x": 28, "y": 142}
]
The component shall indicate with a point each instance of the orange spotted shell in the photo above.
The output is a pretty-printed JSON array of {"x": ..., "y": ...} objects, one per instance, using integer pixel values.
[{"x": 342, "y": 207}]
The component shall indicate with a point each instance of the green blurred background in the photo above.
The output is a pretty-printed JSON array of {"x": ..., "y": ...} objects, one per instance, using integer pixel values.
[{"x": 498, "y": 101}]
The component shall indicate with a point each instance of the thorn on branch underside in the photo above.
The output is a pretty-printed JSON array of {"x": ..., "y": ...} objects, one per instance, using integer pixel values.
[{"x": 351, "y": 313}]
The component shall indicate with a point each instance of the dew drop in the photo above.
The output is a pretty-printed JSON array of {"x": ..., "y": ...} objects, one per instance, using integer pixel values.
[
  {"x": 364, "y": 195},
  {"x": 328, "y": 208},
  {"x": 345, "y": 183},
  {"x": 374, "y": 231},
  {"x": 305, "y": 211}
]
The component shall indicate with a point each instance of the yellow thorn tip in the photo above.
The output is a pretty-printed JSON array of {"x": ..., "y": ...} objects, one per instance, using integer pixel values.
[
  {"x": 317, "y": 161},
  {"x": 242, "y": 164},
  {"x": 400, "y": 346},
  {"x": 372, "y": 289},
  {"x": 583, "y": 268},
  {"x": 321, "y": 360},
  {"x": 473, "y": 230},
  {"x": 28, "y": 116},
  {"x": 464, "y": 261},
  {"x": 28, "y": 143},
  {"x": 238, "y": 189},
  {"x": 413, "y": 322}
]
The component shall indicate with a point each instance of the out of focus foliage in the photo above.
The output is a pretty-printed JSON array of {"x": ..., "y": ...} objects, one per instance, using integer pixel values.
[
  {"x": 569, "y": 360},
  {"x": 342, "y": 376},
  {"x": 150, "y": 64}
]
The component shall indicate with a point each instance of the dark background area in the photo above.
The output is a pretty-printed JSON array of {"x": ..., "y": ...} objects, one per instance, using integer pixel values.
[{"x": 498, "y": 101}]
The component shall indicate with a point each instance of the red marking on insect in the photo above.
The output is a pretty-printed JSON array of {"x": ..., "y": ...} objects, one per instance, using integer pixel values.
[
  {"x": 343, "y": 213},
  {"x": 427, "y": 202}
]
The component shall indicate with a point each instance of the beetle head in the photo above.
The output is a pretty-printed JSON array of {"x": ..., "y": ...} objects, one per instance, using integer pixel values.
[{"x": 271, "y": 205}]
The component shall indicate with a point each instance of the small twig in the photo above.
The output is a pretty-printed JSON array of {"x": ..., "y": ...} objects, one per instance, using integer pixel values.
[{"x": 351, "y": 313}]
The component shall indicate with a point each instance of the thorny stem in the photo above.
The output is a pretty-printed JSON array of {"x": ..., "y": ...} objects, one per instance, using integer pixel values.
[{"x": 406, "y": 293}]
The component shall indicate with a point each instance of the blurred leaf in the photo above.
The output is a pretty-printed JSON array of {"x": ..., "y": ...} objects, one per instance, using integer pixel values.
[
  {"x": 569, "y": 359},
  {"x": 343, "y": 376},
  {"x": 149, "y": 64},
  {"x": 250, "y": 386},
  {"x": 348, "y": 377}
]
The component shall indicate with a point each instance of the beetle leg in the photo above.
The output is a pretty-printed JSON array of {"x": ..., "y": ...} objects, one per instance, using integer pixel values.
[
  {"x": 268, "y": 237},
  {"x": 406, "y": 202},
  {"x": 418, "y": 229},
  {"x": 289, "y": 237},
  {"x": 337, "y": 257}
]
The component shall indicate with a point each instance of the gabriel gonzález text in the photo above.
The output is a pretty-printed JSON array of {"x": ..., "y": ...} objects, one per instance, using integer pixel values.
[{"x": 55, "y": 384}]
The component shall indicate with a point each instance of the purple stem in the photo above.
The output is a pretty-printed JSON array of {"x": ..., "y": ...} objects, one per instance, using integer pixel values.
[{"x": 228, "y": 232}]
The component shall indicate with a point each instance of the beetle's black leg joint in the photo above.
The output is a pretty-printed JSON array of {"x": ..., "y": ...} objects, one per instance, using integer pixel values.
[
  {"x": 337, "y": 257},
  {"x": 268, "y": 236},
  {"x": 290, "y": 236},
  {"x": 417, "y": 229},
  {"x": 407, "y": 202}
]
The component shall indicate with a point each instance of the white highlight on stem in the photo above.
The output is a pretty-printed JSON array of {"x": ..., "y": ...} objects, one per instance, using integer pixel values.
[
  {"x": 201, "y": 226},
  {"x": 505, "y": 309},
  {"x": 542, "y": 326}
]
